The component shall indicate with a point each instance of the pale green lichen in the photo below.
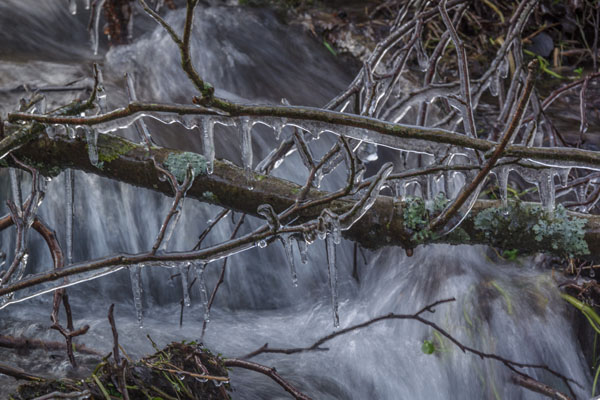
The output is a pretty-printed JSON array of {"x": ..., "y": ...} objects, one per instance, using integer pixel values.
[
  {"x": 417, "y": 214},
  {"x": 517, "y": 224},
  {"x": 177, "y": 164}
]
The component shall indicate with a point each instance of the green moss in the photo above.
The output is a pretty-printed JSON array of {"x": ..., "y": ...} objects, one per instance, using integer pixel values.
[
  {"x": 111, "y": 148},
  {"x": 177, "y": 164},
  {"x": 513, "y": 226}
]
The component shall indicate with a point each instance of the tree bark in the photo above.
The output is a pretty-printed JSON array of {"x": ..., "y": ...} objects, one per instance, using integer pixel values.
[{"x": 227, "y": 187}]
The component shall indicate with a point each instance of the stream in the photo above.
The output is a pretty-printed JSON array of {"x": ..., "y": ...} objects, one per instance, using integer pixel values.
[{"x": 512, "y": 309}]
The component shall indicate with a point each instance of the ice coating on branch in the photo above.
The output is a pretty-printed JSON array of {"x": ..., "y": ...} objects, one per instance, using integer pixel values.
[
  {"x": 289, "y": 254},
  {"x": 200, "y": 268},
  {"x": 69, "y": 191},
  {"x": 208, "y": 138},
  {"x": 266, "y": 211},
  {"x": 91, "y": 138},
  {"x": 359, "y": 209},
  {"x": 303, "y": 150},
  {"x": 95, "y": 26},
  {"x": 246, "y": 130},
  {"x": 140, "y": 125},
  {"x": 73, "y": 7},
  {"x": 171, "y": 224},
  {"x": 329, "y": 166},
  {"x": 135, "y": 274},
  {"x": 183, "y": 271},
  {"x": 15, "y": 185},
  {"x": 333, "y": 278}
]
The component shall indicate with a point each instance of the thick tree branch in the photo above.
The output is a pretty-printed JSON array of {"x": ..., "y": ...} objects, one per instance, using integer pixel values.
[{"x": 384, "y": 133}]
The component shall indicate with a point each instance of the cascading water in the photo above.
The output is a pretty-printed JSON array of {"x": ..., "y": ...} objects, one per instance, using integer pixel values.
[{"x": 509, "y": 309}]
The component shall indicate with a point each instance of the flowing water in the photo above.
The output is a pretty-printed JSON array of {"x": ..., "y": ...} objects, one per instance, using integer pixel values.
[{"x": 511, "y": 309}]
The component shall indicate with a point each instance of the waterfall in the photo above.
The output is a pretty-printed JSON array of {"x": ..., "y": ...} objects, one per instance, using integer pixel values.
[{"x": 508, "y": 308}]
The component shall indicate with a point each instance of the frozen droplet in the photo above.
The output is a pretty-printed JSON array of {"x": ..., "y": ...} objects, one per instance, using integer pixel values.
[{"x": 262, "y": 244}]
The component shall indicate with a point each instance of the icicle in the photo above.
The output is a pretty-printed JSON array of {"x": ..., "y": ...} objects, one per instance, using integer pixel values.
[
  {"x": 422, "y": 58},
  {"x": 503, "y": 183},
  {"x": 333, "y": 277},
  {"x": 91, "y": 137},
  {"x": 247, "y": 146},
  {"x": 101, "y": 93},
  {"x": 69, "y": 186},
  {"x": 183, "y": 270},
  {"x": 331, "y": 223},
  {"x": 563, "y": 174},
  {"x": 130, "y": 27},
  {"x": 96, "y": 26},
  {"x": 289, "y": 254},
  {"x": 546, "y": 188},
  {"x": 494, "y": 85},
  {"x": 135, "y": 274},
  {"x": 200, "y": 269},
  {"x": 277, "y": 128},
  {"x": 73, "y": 7},
  {"x": 87, "y": 4},
  {"x": 302, "y": 248},
  {"x": 209, "y": 143},
  {"x": 503, "y": 69}
]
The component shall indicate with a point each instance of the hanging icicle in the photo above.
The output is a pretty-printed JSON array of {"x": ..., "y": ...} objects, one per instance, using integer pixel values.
[
  {"x": 208, "y": 127},
  {"x": 183, "y": 271},
  {"x": 135, "y": 274},
  {"x": 289, "y": 254},
  {"x": 333, "y": 278}
]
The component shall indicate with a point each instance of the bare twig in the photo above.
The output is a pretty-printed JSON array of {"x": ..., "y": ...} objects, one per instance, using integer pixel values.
[{"x": 268, "y": 371}]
